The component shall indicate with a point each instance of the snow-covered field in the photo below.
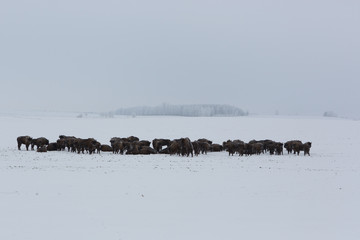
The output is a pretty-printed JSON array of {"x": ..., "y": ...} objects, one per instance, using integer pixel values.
[{"x": 61, "y": 195}]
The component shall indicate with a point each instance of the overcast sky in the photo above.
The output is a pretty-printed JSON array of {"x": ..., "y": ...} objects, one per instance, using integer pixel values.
[{"x": 294, "y": 57}]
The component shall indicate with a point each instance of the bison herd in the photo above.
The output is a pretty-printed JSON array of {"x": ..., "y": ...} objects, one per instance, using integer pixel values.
[{"x": 183, "y": 146}]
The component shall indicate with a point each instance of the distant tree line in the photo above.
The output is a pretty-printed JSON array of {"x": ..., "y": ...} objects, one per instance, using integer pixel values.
[{"x": 196, "y": 110}]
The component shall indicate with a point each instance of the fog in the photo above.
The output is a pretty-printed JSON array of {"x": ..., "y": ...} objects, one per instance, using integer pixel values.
[{"x": 289, "y": 57}]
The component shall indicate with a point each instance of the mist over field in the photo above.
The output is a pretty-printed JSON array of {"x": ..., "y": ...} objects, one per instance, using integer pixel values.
[{"x": 291, "y": 58}]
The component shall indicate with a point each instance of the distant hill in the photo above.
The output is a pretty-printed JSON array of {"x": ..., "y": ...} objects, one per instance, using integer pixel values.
[{"x": 197, "y": 110}]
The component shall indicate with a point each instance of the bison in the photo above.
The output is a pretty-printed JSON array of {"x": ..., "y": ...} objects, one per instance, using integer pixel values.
[
  {"x": 298, "y": 146},
  {"x": 26, "y": 140},
  {"x": 306, "y": 148},
  {"x": 204, "y": 146},
  {"x": 204, "y": 140},
  {"x": 147, "y": 150},
  {"x": 216, "y": 147},
  {"x": 52, "y": 146},
  {"x": 39, "y": 142},
  {"x": 186, "y": 147},
  {"x": 106, "y": 148},
  {"x": 67, "y": 142},
  {"x": 196, "y": 147},
  {"x": 236, "y": 146},
  {"x": 88, "y": 144},
  {"x": 41, "y": 149},
  {"x": 174, "y": 148},
  {"x": 159, "y": 143},
  {"x": 289, "y": 145}
]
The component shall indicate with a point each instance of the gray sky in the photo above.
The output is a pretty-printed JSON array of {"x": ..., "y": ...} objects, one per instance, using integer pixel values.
[{"x": 296, "y": 57}]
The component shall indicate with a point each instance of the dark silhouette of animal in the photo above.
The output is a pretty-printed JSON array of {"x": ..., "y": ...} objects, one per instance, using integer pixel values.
[
  {"x": 132, "y": 139},
  {"x": 236, "y": 146},
  {"x": 41, "y": 149},
  {"x": 164, "y": 151},
  {"x": 83, "y": 145},
  {"x": 256, "y": 148},
  {"x": 39, "y": 142},
  {"x": 175, "y": 147},
  {"x": 279, "y": 148},
  {"x": 106, "y": 148},
  {"x": 61, "y": 144},
  {"x": 118, "y": 147},
  {"x": 205, "y": 140},
  {"x": 115, "y": 141},
  {"x": 289, "y": 145},
  {"x": 67, "y": 142},
  {"x": 97, "y": 146},
  {"x": 271, "y": 148},
  {"x": 306, "y": 148},
  {"x": 298, "y": 146},
  {"x": 196, "y": 147},
  {"x": 118, "y": 144},
  {"x": 146, "y": 150},
  {"x": 26, "y": 140},
  {"x": 52, "y": 146},
  {"x": 225, "y": 144},
  {"x": 143, "y": 143},
  {"x": 134, "y": 149},
  {"x": 248, "y": 150},
  {"x": 216, "y": 147},
  {"x": 186, "y": 147},
  {"x": 159, "y": 143},
  {"x": 204, "y": 146},
  {"x": 266, "y": 143}
]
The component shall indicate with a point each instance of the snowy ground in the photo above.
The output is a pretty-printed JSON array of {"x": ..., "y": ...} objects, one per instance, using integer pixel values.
[{"x": 61, "y": 195}]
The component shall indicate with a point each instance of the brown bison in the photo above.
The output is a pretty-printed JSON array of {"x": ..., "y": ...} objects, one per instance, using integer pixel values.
[
  {"x": 256, "y": 148},
  {"x": 134, "y": 150},
  {"x": 52, "y": 146},
  {"x": 289, "y": 145},
  {"x": 204, "y": 140},
  {"x": 83, "y": 145},
  {"x": 67, "y": 142},
  {"x": 298, "y": 146},
  {"x": 132, "y": 139},
  {"x": 147, "y": 150},
  {"x": 204, "y": 146},
  {"x": 306, "y": 148},
  {"x": 41, "y": 149},
  {"x": 174, "y": 148},
  {"x": 26, "y": 140},
  {"x": 143, "y": 143},
  {"x": 159, "y": 143},
  {"x": 236, "y": 146},
  {"x": 106, "y": 148},
  {"x": 196, "y": 147},
  {"x": 216, "y": 147},
  {"x": 186, "y": 147},
  {"x": 39, "y": 142},
  {"x": 118, "y": 147},
  {"x": 61, "y": 144}
]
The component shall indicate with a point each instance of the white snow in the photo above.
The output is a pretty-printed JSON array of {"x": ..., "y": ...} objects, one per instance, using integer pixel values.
[{"x": 61, "y": 195}]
